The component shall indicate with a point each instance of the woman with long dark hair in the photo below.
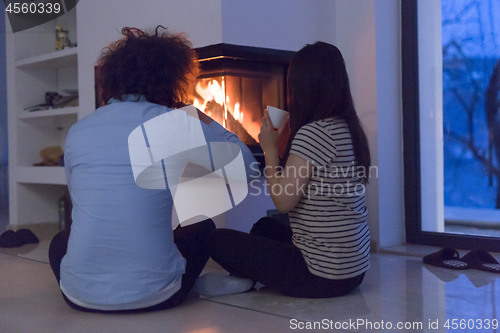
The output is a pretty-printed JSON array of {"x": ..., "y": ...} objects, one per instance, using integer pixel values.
[{"x": 320, "y": 181}]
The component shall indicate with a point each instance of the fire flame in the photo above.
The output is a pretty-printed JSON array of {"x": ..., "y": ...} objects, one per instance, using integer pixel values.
[
  {"x": 213, "y": 91},
  {"x": 237, "y": 114}
]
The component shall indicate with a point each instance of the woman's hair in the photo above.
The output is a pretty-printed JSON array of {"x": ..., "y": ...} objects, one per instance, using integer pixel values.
[
  {"x": 158, "y": 65},
  {"x": 318, "y": 88}
]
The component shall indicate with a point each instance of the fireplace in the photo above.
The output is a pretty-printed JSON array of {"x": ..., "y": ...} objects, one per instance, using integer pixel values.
[{"x": 235, "y": 85}]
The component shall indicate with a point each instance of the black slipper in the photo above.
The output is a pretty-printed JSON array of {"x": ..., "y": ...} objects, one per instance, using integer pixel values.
[
  {"x": 480, "y": 259},
  {"x": 447, "y": 257},
  {"x": 27, "y": 236},
  {"x": 10, "y": 239}
]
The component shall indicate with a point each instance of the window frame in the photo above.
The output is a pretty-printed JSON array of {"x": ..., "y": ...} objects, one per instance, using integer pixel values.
[{"x": 411, "y": 146}]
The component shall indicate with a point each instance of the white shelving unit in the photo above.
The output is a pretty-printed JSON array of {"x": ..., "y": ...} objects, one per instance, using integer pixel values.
[
  {"x": 57, "y": 59},
  {"x": 34, "y": 67},
  {"x": 49, "y": 113}
]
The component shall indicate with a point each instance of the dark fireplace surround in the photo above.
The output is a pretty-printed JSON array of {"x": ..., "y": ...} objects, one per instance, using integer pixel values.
[{"x": 235, "y": 85}]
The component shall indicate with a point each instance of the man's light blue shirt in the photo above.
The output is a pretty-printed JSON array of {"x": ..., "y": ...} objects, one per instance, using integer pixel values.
[{"x": 121, "y": 248}]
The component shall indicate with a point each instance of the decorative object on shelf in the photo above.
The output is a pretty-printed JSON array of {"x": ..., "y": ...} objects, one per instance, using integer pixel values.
[
  {"x": 38, "y": 107},
  {"x": 51, "y": 156},
  {"x": 64, "y": 207},
  {"x": 62, "y": 39},
  {"x": 54, "y": 101},
  {"x": 66, "y": 101},
  {"x": 49, "y": 98}
]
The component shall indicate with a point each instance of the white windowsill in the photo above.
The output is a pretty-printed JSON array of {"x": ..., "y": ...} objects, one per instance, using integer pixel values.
[{"x": 479, "y": 217}]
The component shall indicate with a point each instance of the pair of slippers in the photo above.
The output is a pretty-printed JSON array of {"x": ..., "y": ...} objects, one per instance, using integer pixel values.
[
  {"x": 450, "y": 258},
  {"x": 18, "y": 238}
]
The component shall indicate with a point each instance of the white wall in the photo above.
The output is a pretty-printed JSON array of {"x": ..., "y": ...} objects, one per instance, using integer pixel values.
[
  {"x": 3, "y": 94},
  {"x": 278, "y": 24},
  {"x": 355, "y": 37},
  {"x": 390, "y": 120},
  {"x": 430, "y": 72},
  {"x": 3, "y": 128},
  {"x": 366, "y": 31},
  {"x": 100, "y": 22},
  {"x": 368, "y": 34}
]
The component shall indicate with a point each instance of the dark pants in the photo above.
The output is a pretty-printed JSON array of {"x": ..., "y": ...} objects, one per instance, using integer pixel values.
[
  {"x": 267, "y": 255},
  {"x": 191, "y": 242}
]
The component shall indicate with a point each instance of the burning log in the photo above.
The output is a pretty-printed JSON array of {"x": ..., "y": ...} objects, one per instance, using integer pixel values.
[{"x": 216, "y": 111}]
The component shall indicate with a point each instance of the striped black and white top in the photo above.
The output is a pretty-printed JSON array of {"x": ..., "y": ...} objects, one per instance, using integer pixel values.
[{"x": 330, "y": 221}]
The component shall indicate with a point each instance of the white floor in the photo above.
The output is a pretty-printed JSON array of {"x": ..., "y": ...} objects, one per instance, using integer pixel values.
[{"x": 398, "y": 290}]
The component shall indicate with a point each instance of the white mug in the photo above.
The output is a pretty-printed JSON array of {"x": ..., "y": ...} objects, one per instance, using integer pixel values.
[{"x": 277, "y": 116}]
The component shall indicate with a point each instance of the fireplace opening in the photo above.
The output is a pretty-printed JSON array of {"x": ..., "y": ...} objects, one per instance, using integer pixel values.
[
  {"x": 236, "y": 102},
  {"x": 235, "y": 85}
]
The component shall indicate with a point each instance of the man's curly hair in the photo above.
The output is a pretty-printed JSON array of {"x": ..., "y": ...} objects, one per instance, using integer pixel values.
[{"x": 160, "y": 66}]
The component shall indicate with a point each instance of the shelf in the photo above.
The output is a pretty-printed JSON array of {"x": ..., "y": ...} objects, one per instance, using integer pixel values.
[
  {"x": 35, "y": 67},
  {"x": 42, "y": 175},
  {"x": 49, "y": 113},
  {"x": 56, "y": 59}
]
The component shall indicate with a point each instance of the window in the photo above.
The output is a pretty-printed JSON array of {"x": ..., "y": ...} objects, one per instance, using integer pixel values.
[{"x": 451, "y": 105}]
